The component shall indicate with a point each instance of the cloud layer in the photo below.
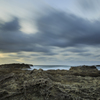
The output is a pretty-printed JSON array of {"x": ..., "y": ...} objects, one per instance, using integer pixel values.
[
  {"x": 58, "y": 33},
  {"x": 57, "y": 29}
]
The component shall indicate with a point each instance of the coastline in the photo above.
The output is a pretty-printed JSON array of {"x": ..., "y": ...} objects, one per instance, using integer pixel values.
[
  {"x": 80, "y": 83},
  {"x": 56, "y": 67}
]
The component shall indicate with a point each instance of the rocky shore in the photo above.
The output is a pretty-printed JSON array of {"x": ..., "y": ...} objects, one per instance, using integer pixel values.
[{"x": 77, "y": 83}]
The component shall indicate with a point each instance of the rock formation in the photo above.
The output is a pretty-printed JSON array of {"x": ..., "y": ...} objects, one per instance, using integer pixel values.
[
  {"x": 16, "y": 65},
  {"x": 17, "y": 84}
]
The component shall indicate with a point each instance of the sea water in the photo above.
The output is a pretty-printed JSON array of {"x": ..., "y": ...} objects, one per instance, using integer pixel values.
[
  {"x": 48, "y": 67},
  {"x": 98, "y": 68},
  {"x": 53, "y": 67}
]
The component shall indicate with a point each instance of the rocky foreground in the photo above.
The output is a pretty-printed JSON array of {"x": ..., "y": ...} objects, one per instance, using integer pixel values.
[{"x": 78, "y": 83}]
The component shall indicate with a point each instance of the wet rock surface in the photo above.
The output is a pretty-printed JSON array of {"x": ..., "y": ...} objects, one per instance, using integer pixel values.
[{"x": 17, "y": 84}]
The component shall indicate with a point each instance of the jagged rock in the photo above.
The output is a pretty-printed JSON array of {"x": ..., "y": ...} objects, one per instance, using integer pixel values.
[
  {"x": 84, "y": 68},
  {"x": 50, "y": 85},
  {"x": 3, "y": 93},
  {"x": 85, "y": 71}
]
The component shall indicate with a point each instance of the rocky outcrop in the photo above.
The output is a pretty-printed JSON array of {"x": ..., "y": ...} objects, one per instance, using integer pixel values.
[
  {"x": 16, "y": 65},
  {"x": 48, "y": 85},
  {"x": 85, "y": 71},
  {"x": 98, "y": 65},
  {"x": 83, "y": 68}
]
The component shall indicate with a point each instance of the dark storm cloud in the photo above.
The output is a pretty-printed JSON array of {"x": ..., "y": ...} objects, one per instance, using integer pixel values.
[
  {"x": 67, "y": 30},
  {"x": 11, "y": 26},
  {"x": 13, "y": 40},
  {"x": 57, "y": 29}
]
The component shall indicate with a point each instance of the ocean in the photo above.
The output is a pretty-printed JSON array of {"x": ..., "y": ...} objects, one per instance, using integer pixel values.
[{"x": 53, "y": 67}]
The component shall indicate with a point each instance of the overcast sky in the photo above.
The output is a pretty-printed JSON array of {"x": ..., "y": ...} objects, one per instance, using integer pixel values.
[{"x": 50, "y": 32}]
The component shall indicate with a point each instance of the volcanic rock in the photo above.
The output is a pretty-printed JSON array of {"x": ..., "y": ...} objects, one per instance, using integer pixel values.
[
  {"x": 85, "y": 71},
  {"x": 20, "y": 84},
  {"x": 16, "y": 65}
]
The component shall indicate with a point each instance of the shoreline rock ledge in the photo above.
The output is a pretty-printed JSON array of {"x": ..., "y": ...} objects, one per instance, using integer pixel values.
[
  {"x": 16, "y": 65},
  {"x": 85, "y": 71},
  {"x": 73, "y": 84}
]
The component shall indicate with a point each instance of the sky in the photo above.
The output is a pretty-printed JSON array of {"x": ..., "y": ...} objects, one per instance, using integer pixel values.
[{"x": 55, "y": 32}]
